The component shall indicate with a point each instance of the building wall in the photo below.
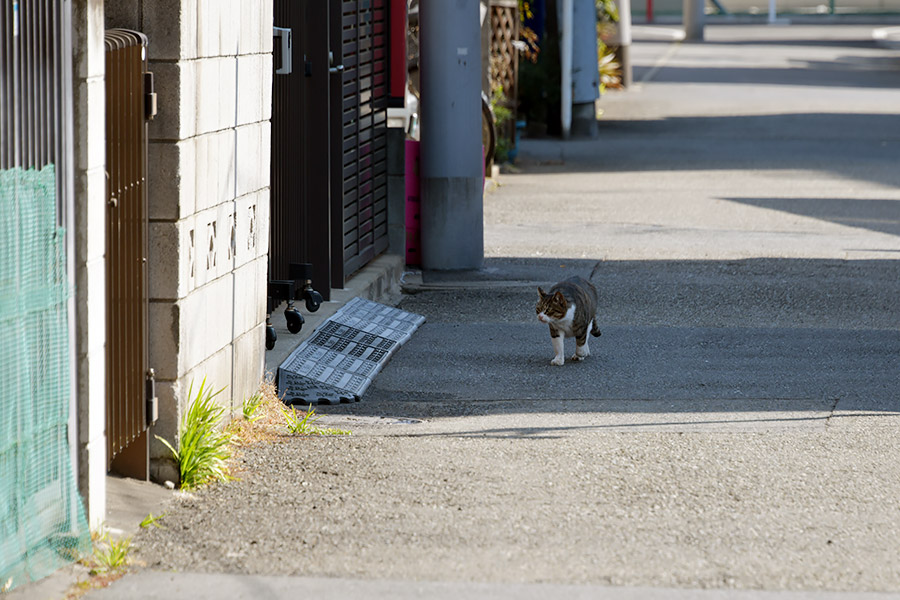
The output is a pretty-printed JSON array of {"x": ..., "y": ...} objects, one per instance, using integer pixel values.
[{"x": 208, "y": 198}]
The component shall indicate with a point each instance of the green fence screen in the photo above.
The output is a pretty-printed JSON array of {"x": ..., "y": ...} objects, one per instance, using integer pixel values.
[{"x": 42, "y": 523}]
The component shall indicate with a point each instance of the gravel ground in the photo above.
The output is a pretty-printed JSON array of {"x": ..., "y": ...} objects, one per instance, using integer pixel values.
[{"x": 774, "y": 509}]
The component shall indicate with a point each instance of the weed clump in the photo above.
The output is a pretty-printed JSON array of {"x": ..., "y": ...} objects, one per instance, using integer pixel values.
[{"x": 203, "y": 446}]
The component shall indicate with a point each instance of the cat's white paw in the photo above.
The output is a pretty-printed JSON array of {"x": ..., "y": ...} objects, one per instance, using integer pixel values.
[
  {"x": 558, "y": 361},
  {"x": 577, "y": 358}
]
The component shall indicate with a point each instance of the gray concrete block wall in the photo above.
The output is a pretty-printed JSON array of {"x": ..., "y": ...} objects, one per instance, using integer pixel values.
[{"x": 209, "y": 199}]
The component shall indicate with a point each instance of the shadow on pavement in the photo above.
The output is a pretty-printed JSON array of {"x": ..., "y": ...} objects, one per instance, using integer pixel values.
[
  {"x": 850, "y": 71},
  {"x": 876, "y": 215},
  {"x": 800, "y": 141}
]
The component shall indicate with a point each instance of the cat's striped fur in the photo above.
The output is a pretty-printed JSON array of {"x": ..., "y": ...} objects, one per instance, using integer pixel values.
[{"x": 570, "y": 309}]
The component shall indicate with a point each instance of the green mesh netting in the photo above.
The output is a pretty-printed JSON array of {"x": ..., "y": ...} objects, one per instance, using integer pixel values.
[{"x": 42, "y": 523}]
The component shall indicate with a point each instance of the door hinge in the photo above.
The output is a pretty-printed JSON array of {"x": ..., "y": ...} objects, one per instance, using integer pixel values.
[
  {"x": 152, "y": 402},
  {"x": 149, "y": 97}
]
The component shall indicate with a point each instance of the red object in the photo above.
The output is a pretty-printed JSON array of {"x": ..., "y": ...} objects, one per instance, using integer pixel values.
[
  {"x": 413, "y": 202},
  {"x": 649, "y": 11},
  {"x": 397, "y": 52}
]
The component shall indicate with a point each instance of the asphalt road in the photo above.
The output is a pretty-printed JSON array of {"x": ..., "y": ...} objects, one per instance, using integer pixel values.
[{"x": 734, "y": 433}]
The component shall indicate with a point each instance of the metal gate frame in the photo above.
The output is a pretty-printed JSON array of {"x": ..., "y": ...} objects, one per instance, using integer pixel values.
[{"x": 130, "y": 397}]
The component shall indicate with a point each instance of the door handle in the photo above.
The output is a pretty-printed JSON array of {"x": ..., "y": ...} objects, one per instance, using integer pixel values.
[{"x": 283, "y": 50}]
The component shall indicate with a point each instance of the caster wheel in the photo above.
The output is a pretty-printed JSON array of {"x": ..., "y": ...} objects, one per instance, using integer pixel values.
[
  {"x": 271, "y": 336},
  {"x": 313, "y": 300},
  {"x": 294, "y": 319}
]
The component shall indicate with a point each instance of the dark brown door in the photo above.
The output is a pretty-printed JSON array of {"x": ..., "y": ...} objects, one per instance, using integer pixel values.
[
  {"x": 300, "y": 182},
  {"x": 329, "y": 139}
]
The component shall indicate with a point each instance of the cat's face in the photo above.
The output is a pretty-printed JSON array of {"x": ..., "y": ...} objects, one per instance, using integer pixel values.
[{"x": 550, "y": 307}]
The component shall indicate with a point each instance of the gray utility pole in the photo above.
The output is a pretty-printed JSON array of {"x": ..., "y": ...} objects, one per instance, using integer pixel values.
[
  {"x": 694, "y": 17},
  {"x": 451, "y": 214}
]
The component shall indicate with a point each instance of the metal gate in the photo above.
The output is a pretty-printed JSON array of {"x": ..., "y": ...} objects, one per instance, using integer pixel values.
[
  {"x": 42, "y": 523},
  {"x": 359, "y": 37},
  {"x": 35, "y": 118},
  {"x": 130, "y": 401}
]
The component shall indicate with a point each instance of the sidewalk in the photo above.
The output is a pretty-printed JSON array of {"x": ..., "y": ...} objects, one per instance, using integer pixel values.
[{"x": 733, "y": 433}]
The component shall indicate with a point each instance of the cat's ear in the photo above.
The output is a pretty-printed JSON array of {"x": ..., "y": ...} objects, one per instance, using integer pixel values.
[
  {"x": 542, "y": 293},
  {"x": 559, "y": 298}
]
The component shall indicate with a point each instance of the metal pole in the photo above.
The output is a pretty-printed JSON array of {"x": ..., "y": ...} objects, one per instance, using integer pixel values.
[
  {"x": 625, "y": 41},
  {"x": 451, "y": 214},
  {"x": 771, "y": 11},
  {"x": 694, "y": 18},
  {"x": 565, "y": 54}
]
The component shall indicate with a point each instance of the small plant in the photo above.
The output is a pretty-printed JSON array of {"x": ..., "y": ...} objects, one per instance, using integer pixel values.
[
  {"x": 305, "y": 424},
  {"x": 300, "y": 425},
  {"x": 530, "y": 39},
  {"x": 610, "y": 72},
  {"x": 151, "y": 521},
  {"x": 503, "y": 115},
  {"x": 607, "y": 61},
  {"x": 261, "y": 416},
  {"x": 110, "y": 555},
  {"x": 108, "y": 562},
  {"x": 250, "y": 407},
  {"x": 203, "y": 447}
]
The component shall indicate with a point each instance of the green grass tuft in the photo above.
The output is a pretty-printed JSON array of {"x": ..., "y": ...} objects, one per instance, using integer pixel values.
[
  {"x": 305, "y": 424},
  {"x": 203, "y": 447},
  {"x": 151, "y": 521},
  {"x": 111, "y": 555},
  {"x": 251, "y": 407}
]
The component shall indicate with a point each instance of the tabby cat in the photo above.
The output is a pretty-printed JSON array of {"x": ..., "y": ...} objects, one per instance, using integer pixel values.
[{"x": 570, "y": 309}]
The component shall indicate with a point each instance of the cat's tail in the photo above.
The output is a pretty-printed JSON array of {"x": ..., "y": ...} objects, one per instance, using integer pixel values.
[{"x": 595, "y": 328}]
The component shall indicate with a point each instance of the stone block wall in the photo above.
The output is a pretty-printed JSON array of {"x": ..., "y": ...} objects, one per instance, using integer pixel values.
[{"x": 209, "y": 197}]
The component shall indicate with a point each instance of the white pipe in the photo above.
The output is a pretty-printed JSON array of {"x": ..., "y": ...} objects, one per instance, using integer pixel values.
[
  {"x": 568, "y": 11},
  {"x": 624, "y": 22}
]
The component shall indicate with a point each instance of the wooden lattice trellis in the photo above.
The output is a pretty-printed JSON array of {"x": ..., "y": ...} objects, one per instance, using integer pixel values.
[{"x": 505, "y": 57}]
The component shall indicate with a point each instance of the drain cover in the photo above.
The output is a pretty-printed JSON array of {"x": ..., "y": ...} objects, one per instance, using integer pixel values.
[{"x": 339, "y": 361}]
